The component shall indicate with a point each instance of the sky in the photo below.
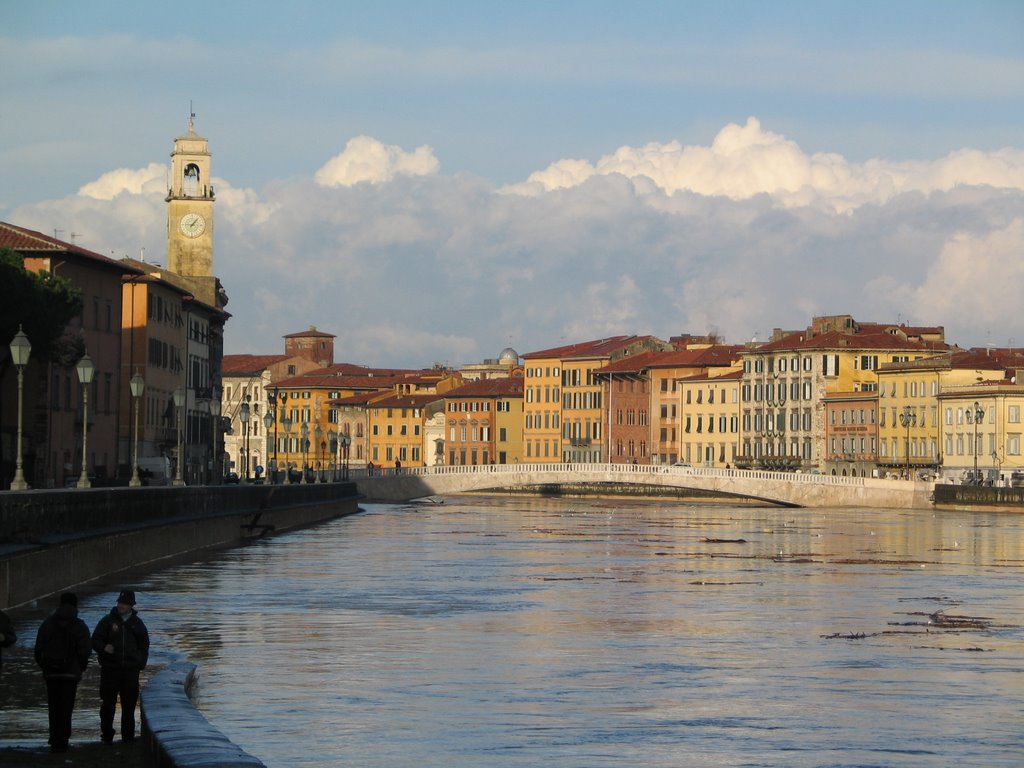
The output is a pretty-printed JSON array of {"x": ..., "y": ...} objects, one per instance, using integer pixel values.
[{"x": 434, "y": 182}]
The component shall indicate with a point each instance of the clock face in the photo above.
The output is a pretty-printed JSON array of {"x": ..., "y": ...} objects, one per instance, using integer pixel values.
[{"x": 192, "y": 225}]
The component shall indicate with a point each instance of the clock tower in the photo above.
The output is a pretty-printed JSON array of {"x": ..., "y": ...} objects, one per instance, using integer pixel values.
[{"x": 190, "y": 207}]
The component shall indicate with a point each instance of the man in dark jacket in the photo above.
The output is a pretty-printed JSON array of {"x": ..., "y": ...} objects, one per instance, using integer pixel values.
[
  {"x": 121, "y": 642},
  {"x": 7, "y": 635},
  {"x": 62, "y": 652}
]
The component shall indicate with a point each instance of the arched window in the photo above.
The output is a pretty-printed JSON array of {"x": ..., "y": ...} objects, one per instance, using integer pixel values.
[{"x": 190, "y": 184}]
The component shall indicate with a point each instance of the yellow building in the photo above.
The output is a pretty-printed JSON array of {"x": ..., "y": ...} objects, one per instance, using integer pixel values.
[
  {"x": 910, "y": 426},
  {"x": 786, "y": 380},
  {"x": 710, "y": 408},
  {"x": 484, "y": 423},
  {"x": 668, "y": 409},
  {"x": 563, "y": 404}
]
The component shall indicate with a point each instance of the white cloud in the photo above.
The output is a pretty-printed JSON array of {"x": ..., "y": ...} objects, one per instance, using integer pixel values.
[
  {"x": 745, "y": 161},
  {"x": 367, "y": 159},
  {"x": 976, "y": 274},
  {"x": 432, "y": 268},
  {"x": 126, "y": 180}
]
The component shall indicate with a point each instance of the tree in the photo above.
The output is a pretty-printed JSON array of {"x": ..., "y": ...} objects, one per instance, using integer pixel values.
[{"x": 42, "y": 304}]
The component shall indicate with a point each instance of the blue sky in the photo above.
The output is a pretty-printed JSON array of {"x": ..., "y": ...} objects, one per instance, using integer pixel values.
[{"x": 496, "y": 140}]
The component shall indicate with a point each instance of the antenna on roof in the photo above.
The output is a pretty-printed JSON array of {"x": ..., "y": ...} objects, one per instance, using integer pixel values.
[{"x": 57, "y": 233}]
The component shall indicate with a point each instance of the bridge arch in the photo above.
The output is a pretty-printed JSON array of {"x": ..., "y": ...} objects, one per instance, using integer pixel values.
[{"x": 782, "y": 488}]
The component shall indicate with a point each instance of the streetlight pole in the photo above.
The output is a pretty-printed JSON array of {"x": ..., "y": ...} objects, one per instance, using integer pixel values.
[
  {"x": 85, "y": 370},
  {"x": 138, "y": 386},
  {"x": 319, "y": 433},
  {"x": 243, "y": 415},
  {"x": 179, "y": 402},
  {"x": 268, "y": 421},
  {"x": 979, "y": 413},
  {"x": 304, "y": 431},
  {"x": 216, "y": 470},
  {"x": 21, "y": 348},
  {"x": 345, "y": 442},
  {"x": 286, "y": 422},
  {"x": 908, "y": 418}
]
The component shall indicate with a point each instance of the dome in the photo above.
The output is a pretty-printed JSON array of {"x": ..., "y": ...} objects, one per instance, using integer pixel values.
[{"x": 508, "y": 356}]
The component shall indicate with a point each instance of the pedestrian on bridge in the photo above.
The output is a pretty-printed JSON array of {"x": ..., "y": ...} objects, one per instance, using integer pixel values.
[{"x": 121, "y": 642}]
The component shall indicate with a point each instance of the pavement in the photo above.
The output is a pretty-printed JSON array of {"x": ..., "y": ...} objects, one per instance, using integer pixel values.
[
  {"x": 88, "y": 755},
  {"x": 24, "y": 725}
]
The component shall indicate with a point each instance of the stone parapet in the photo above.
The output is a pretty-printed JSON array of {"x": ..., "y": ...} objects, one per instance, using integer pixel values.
[{"x": 178, "y": 734}]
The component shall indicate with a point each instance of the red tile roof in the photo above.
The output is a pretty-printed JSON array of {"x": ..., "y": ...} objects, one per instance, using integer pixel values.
[
  {"x": 28, "y": 241},
  {"x": 250, "y": 363},
  {"x": 488, "y": 388}
]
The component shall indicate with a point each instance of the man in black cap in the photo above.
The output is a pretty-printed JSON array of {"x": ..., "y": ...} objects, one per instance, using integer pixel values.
[
  {"x": 62, "y": 651},
  {"x": 121, "y": 642}
]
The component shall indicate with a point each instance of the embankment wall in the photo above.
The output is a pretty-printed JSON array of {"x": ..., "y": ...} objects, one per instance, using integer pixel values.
[{"x": 54, "y": 540}]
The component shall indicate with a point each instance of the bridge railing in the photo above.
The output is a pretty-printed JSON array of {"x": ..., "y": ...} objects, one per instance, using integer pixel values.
[{"x": 640, "y": 470}]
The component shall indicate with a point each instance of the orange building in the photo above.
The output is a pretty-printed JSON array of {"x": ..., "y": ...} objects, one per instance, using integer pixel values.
[{"x": 483, "y": 423}]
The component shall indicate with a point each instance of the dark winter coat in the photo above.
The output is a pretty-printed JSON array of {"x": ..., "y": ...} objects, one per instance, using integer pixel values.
[
  {"x": 129, "y": 638},
  {"x": 7, "y": 630},
  {"x": 66, "y": 632}
]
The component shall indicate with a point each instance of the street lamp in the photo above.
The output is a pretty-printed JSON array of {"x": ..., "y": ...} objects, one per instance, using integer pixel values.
[
  {"x": 268, "y": 421},
  {"x": 215, "y": 467},
  {"x": 319, "y": 433},
  {"x": 286, "y": 422},
  {"x": 179, "y": 403},
  {"x": 332, "y": 441},
  {"x": 138, "y": 386},
  {"x": 21, "y": 348},
  {"x": 243, "y": 415},
  {"x": 85, "y": 370},
  {"x": 345, "y": 442},
  {"x": 979, "y": 413},
  {"x": 304, "y": 431},
  {"x": 908, "y": 418}
]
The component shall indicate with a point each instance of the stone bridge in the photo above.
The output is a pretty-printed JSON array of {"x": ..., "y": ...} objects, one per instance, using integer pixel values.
[{"x": 782, "y": 488}]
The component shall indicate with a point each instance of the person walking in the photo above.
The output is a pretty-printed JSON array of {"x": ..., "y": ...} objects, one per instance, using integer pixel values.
[
  {"x": 62, "y": 651},
  {"x": 7, "y": 634},
  {"x": 121, "y": 642}
]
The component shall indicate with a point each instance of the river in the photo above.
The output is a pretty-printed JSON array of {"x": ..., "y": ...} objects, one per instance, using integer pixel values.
[{"x": 518, "y": 631}]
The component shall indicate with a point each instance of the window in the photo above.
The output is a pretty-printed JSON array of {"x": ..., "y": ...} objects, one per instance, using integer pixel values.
[{"x": 1013, "y": 414}]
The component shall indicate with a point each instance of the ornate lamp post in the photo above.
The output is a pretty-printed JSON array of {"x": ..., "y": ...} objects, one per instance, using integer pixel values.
[
  {"x": 304, "y": 431},
  {"x": 979, "y": 414},
  {"x": 319, "y": 433},
  {"x": 85, "y": 370},
  {"x": 21, "y": 348},
  {"x": 332, "y": 442},
  {"x": 346, "y": 441},
  {"x": 286, "y": 422},
  {"x": 268, "y": 422},
  {"x": 179, "y": 403},
  {"x": 215, "y": 468},
  {"x": 908, "y": 418},
  {"x": 243, "y": 415},
  {"x": 138, "y": 386}
]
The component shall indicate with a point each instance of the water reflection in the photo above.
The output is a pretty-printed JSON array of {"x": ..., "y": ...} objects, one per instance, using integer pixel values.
[
  {"x": 520, "y": 631},
  {"x": 516, "y": 632}
]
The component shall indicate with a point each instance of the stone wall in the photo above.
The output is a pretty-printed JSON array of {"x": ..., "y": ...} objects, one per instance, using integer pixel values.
[{"x": 55, "y": 540}]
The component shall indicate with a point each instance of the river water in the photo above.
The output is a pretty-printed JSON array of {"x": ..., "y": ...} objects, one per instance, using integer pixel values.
[{"x": 516, "y": 631}]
